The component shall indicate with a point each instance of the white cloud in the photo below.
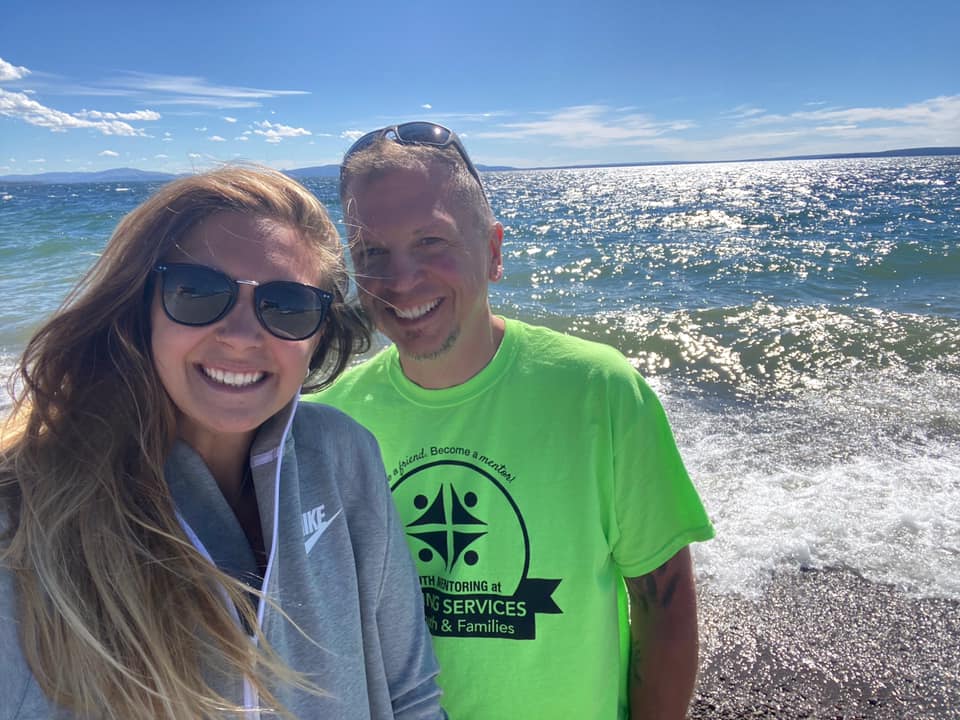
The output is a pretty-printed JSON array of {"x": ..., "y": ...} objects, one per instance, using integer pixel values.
[
  {"x": 216, "y": 138},
  {"x": 743, "y": 111},
  {"x": 934, "y": 122},
  {"x": 201, "y": 129},
  {"x": 194, "y": 156},
  {"x": 427, "y": 106},
  {"x": 352, "y": 135},
  {"x": 589, "y": 126},
  {"x": 229, "y": 119},
  {"x": 137, "y": 115},
  {"x": 108, "y": 153},
  {"x": 10, "y": 72},
  {"x": 931, "y": 122},
  {"x": 275, "y": 132},
  {"x": 39, "y": 161},
  {"x": 242, "y": 138},
  {"x": 942, "y": 111},
  {"x": 19, "y": 106},
  {"x": 154, "y": 89},
  {"x": 161, "y": 156},
  {"x": 190, "y": 90},
  {"x": 740, "y": 133}
]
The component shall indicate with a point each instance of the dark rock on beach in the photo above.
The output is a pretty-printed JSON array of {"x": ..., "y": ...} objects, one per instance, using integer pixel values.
[{"x": 828, "y": 644}]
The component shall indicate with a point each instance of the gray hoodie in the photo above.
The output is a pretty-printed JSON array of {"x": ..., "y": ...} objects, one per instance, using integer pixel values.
[{"x": 338, "y": 565}]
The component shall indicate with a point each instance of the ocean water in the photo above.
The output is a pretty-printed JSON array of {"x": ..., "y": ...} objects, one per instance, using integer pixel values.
[{"x": 799, "y": 319}]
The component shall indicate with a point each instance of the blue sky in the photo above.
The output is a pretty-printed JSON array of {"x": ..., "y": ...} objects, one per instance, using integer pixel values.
[{"x": 178, "y": 85}]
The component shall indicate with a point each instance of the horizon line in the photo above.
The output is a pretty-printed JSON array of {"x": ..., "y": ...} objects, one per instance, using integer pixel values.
[{"x": 946, "y": 150}]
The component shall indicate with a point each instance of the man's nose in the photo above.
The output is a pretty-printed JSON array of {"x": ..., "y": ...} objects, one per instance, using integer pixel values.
[{"x": 403, "y": 272}]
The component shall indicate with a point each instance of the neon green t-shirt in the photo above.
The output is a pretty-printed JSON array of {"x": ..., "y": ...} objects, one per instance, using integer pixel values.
[{"x": 527, "y": 494}]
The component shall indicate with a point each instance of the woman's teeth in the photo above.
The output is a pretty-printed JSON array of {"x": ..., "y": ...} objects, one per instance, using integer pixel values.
[{"x": 233, "y": 379}]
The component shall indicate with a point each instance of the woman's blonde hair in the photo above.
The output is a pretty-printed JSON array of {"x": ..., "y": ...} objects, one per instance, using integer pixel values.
[{"x": 120, "y": 616}]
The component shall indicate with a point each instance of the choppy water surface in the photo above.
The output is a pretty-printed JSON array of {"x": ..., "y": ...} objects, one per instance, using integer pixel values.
[{"x": 800, "y": 320}]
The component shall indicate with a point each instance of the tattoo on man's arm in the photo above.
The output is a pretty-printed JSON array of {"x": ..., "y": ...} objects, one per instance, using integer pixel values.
[{"x": 646, "y": 591}]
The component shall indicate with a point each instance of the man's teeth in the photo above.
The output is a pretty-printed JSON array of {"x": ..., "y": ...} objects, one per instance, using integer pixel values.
[
  {"x": 233, "y": 379},
  {"x": 415, "y": 312}
]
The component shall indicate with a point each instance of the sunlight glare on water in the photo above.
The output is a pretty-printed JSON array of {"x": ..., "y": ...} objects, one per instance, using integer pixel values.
[{"x": 800, "y": 321}]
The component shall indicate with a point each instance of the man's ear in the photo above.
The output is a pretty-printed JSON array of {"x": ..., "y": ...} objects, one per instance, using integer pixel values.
[{"x": 496, "y": 253}]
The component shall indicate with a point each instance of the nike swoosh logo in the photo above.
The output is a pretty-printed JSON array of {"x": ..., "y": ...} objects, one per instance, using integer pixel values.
[{"x": 312, "y": 540}]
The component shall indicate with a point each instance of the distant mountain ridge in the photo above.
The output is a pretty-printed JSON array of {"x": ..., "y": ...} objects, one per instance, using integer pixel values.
[
  {"x": 134, "y": 175},
  {"x": 314, "y": 171},
  {"x": 906, "y": 152},
  {"x": 114, "y": 175}
]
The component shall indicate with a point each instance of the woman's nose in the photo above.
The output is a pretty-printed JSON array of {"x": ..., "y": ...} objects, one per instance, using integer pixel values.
[{"x": 241, "y": 327}]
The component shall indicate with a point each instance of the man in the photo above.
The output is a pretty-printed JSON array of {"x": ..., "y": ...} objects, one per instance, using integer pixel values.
[{"x": 534, "y": 472}]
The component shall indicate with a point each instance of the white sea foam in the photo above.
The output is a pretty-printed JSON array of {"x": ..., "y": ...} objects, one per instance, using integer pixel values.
[
  {"x": 863, "y": 475},
  {"x": 893, "y": 521}
]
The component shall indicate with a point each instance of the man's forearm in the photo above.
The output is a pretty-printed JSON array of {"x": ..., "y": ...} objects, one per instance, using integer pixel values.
[{"x": 663, "y": 640}]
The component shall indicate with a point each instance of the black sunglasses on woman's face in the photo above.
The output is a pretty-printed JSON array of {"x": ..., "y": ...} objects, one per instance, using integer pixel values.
[{"x": 198, "y": 295}]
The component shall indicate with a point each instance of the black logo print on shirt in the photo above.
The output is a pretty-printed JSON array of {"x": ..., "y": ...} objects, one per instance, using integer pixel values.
[{"x": 473, "y": 552}]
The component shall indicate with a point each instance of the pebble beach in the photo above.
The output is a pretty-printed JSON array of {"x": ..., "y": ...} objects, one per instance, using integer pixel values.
[{"x": 828, "y": 644}]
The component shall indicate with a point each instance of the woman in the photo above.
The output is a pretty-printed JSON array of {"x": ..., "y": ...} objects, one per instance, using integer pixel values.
[{"x": 180, "y": 538}]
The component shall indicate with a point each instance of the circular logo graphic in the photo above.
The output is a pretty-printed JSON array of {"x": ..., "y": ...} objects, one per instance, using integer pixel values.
[{"x": 462, "y": 525}]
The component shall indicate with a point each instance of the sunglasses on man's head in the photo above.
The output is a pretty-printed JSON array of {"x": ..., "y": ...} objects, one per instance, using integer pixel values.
[
  {"x": 199, "y": 295},
  {"x": 416, "y": 133}
]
